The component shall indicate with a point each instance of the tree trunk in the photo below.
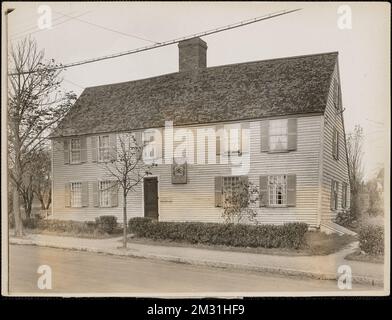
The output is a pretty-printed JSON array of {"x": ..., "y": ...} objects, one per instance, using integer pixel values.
[
  {"x": 125, "y": 220},
  {"x": 17, "y": 215}
]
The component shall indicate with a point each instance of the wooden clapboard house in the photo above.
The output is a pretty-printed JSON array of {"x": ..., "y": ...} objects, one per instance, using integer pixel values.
[{"x": 291, "y": 106}]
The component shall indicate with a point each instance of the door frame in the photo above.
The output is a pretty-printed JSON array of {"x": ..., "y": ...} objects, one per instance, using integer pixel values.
[{"x": 158, "y": 194}]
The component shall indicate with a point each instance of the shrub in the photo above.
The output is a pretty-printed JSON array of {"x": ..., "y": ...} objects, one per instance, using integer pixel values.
[
  {"x": 371, "y": 239},
  {"x": 346, "y": 218},
  {"x": 107, "y": 224},
  {"x": 68, "y": 226},
  {"x": 291, "y": 235}
]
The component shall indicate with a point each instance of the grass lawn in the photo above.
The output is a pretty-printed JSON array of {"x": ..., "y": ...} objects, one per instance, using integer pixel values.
[
  {"x": 317, "y": 243},
  {"x": 363, "y": 257}
]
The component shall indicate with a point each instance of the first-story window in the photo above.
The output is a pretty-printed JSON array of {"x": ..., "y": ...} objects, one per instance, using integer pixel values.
[
  {"x": 104, "y": 193},
  {"x": 75, "y": 151},
  {"x": 235, "y": 190},
  {"x": 334, "y": 195},
  {"x": 76, "y": 194},
  {"x": 277, "y": 190}
]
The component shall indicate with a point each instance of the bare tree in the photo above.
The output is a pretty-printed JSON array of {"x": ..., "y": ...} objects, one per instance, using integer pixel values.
[
  {"x": 41, "y": 178},
  {"x": 128, "y": 169},
  {"x": 36, "y": 104},
  {"x": 354, "y": 153}
]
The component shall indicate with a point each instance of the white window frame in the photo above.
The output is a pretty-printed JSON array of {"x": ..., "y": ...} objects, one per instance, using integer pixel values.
[
  {"x": 277, "y": 183},
  {"x": 276, "y": 132},
  {"x": 75, "y": 150},
  {"x": 104, "y": 193},
  {"x": 103, "y": 150},
  {"x": 76, "y": 194}
]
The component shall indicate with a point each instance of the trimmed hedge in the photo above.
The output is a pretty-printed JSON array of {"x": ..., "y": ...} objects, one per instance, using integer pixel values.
[
  {"x": 371, "y": 239},
  {"x": 291, "y": 235},
  {"x": 107, "y": 224},
  {"x": 68, "y": 226}
]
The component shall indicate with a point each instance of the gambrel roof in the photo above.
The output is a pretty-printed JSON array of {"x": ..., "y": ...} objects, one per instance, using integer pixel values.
[{"x": 251, "y": 90}]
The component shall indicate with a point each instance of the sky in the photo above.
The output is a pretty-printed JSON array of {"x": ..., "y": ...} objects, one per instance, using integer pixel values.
[{"x": 88, "y": 30}]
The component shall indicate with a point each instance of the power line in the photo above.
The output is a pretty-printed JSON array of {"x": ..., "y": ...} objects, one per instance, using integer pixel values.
[
  {"x": 32, "y": 26},
  {"x": 109, "y": 29},
  {"x": 56, "y": 24},
  {"x": 166, "y": 43}
]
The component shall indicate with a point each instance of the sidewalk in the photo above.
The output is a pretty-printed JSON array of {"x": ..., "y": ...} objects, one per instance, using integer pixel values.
[{"x": 316, "y": 267}]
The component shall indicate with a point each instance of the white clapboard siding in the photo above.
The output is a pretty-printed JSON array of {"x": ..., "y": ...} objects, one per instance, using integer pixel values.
[
  {"x": 333, "y": 169},
  {"x": 194, "y": 201}
]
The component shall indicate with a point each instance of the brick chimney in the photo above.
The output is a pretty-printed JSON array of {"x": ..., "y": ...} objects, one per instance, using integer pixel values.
[{"x": 192, "y": 54}]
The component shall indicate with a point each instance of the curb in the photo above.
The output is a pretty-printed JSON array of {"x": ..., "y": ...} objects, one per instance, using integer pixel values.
[{"x": 208, "y": 263}]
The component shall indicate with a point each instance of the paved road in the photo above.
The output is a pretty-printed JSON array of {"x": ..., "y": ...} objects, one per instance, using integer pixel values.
[{"x": 83, "y": 272}]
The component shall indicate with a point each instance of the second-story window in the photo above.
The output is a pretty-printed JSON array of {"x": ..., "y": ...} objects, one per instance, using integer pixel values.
[
  {"x": 75, "y": 151},
  {"x": 278, "y": 135},
  {"x": 103, "y": 148}
]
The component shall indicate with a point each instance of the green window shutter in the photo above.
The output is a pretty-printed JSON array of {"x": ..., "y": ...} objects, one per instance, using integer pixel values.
[
  {"x": 67, "y": 194},
  {"x": 113, "y": 146},
  {"x": 291, "y": 190},
  {"x": 264, "y": 135},
  {"x": 66, "y": 147},
  {"x": 83, "y": 149},
  {"x": 94, "y": 148},
  {"x": 84, "y": 194},
  {"x": 263, "y": 192},
  {"x": 218, "y": 191},
  {"x": 292, "y": 134},
  {"x": 95, "y": 194}
]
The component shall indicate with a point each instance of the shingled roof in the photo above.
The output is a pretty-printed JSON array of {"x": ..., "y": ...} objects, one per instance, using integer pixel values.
[{"x": 284, "y": 86}]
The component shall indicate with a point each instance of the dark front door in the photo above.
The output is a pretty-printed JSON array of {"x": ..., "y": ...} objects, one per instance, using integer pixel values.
[{"x": 151, "y": 197}]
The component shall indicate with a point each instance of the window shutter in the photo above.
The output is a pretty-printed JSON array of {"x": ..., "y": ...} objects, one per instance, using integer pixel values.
[
  {"x": 263, "y": 193},
  {"x": 219, "y": 144},
  {"x": 264, "y": 135},
  {"x": 84, "y": 194},
  {"x": 83, "y": 149},
  {"x": 337, "y": 145},
  {"x": 218, "y": 191},
  {"x": 336, "y": 94},
  {"x": 332, "y": 195},
  {"x": 67, "y": 194},
  {"x": 245, "y": 138},
  {"x": 334, "y": 143},
  {"x": 113, "y": 146},
  {"x": 94, "y": 148},
  {"x": 114, "y": 194},
  {"x": 95, "y": 194},
  {"x": 292, "y": 134},
  {"x": 291, "y": 190},
  {"x": 66, "y": 151}
]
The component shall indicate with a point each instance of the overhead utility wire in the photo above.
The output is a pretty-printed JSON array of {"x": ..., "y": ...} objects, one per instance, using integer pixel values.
[{"x": 166, "y": 43}]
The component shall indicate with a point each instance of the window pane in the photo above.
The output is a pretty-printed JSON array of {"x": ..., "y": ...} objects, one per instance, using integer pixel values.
[
  {"x": 278, "y": 134},
  {"x": 76, "y": 194},
  {"x": 104, "y": 193},
  {"x": 277, "y": 190},
  {"x": 104, "y": 148}
]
